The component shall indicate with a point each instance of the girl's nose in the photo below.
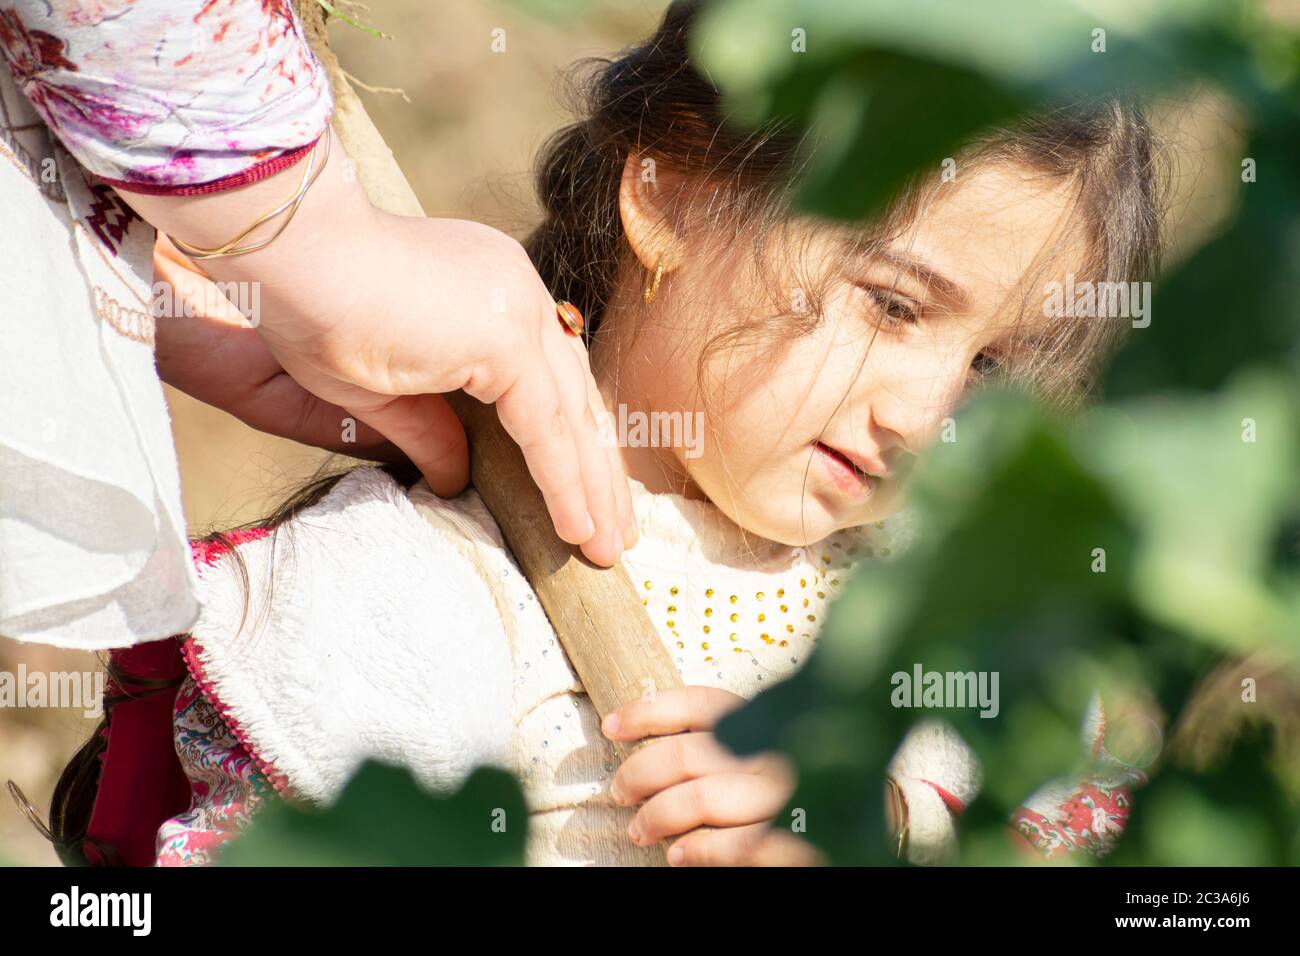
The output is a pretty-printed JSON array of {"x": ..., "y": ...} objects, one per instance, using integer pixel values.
[{"x": 913, "y": 404}]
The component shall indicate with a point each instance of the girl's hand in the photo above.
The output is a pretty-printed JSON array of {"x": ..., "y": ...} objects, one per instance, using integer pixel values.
[{"x": 689, "y": 780}]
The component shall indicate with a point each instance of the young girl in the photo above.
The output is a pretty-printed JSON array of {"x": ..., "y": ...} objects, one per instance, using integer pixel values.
[{"x": 370, "y": 619}]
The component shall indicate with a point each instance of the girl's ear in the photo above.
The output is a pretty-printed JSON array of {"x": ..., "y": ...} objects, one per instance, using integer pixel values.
[{"x": 649, "y": 196}]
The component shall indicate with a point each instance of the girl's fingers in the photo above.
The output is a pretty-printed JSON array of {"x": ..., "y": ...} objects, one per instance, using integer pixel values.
[
  {"x": 671, "y": 711},
  {"x": 605, "y": 546},
  {"x": 782, "y": 848},
  {"x": 730, "y": 846},
  {"x": 672, "y": 760},
  {"x": 758, "y": 844},
  {"x": 718, "y": 800}
]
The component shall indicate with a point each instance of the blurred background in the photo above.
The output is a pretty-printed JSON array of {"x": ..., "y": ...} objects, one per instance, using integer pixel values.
[{"x": 465, "y": 132}]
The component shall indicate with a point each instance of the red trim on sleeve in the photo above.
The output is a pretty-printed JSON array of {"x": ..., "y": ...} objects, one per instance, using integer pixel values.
[
  {"x": 142, "y": 784},
  {"x": 951, "y": 801},
  {"x": 246, "y": 177}
]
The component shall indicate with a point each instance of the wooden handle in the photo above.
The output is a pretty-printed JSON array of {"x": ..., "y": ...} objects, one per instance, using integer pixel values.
[{"x": 596, "y": 612}]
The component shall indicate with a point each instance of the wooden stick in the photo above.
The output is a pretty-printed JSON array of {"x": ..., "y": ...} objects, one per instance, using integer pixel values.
[{"x": 596, "y": 612}]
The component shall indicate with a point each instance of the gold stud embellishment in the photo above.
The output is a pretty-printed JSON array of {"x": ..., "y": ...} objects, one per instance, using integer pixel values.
[{"x": 570, "y": 317}]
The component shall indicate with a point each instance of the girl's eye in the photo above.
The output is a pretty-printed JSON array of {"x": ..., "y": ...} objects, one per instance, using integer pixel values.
[
  {"x": 892, "y": 306},
  {"x": 984, "y": 365}
]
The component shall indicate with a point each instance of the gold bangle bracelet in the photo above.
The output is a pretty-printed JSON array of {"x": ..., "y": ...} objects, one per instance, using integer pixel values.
[{"x": 232, "y": 248}]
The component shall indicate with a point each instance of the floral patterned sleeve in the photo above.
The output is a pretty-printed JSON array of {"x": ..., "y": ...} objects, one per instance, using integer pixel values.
[
  {"x": 170, "y": 96},
  {"x": 1087, "y": 816}
]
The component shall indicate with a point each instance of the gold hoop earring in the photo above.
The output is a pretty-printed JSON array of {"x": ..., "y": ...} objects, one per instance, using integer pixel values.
[
  {"x": 652, "y": 287},
  {"x": 26, "y": 809},
  {"x": 897, "y": 812}
]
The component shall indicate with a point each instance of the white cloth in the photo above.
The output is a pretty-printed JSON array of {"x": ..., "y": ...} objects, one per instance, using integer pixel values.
[
  {"x": 93, "y": 552},
  {"x": 360, "y": 631},
  {"x": 399, "y": 626}
]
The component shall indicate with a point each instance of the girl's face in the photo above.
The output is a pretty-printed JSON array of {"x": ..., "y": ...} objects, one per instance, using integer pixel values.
[{"x": 817, "y": 432}]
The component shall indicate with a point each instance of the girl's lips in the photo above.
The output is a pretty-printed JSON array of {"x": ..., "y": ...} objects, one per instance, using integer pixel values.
[{"x": 842, "y": 473}]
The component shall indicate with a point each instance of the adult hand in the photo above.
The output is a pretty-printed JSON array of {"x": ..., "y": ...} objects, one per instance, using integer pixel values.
[
  {"x": 376, "y": 316},
  {"x": 209, "y": 352}
]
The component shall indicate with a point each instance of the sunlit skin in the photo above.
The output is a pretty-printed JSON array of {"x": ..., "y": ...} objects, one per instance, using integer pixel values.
[{"x": 904, "y": 336}]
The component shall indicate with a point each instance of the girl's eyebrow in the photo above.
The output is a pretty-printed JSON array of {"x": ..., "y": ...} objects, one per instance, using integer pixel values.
[
  {"x": 924, "y": 273},
  {"x": 954, "y": 295}
]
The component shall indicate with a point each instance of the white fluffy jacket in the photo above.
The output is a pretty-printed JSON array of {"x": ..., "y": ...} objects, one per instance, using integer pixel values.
[{"x": 397, "y": 626}]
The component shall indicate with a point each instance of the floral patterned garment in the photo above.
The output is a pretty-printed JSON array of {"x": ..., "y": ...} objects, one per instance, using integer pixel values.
[
  {"x": 1068, "y": 816},
  {"x": 227, "y": 785},
  {"x": 1089, "y": 821},
  {"x": 166, "y": 95}
]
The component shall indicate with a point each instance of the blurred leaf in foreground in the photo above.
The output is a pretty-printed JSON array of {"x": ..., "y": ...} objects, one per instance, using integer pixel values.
[
  {"x": 1000, "y": 580},
  {"x": 1067, "y": 559},
  {"x": 888, "y": 89},
  {"x": 1230, "y": 815},
  {"x": 384, "y": 818},
  {"x": 1211, "y": 480}
]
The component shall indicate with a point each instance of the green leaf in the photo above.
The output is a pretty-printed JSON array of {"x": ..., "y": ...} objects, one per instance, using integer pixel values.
[
  {"x": 1003, "y": 578},
  {"x": 1190, "y": 518},
  {"x": 1209, "y": 479},
  {"x": 1236, "y": 301},
  {"x": 337, "y": 14},
  {"x": 384, "y": 818},
  {"x": 1000, "y": 580},
  {"x": 886, "y": 91}
]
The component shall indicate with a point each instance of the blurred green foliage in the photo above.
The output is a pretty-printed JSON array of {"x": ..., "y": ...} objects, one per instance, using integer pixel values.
[
  {"x": 384, "y": 818},
  {"x": 1200, "y": 527},
  {"x": 1187, "y": 476}
]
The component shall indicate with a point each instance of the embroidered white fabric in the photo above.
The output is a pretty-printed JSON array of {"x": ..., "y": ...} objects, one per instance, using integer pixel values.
[{"x": 93, "y": 552}]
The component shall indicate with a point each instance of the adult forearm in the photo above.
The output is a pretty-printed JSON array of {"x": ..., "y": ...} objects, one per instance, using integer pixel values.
[{"x": 307, "y": 275}]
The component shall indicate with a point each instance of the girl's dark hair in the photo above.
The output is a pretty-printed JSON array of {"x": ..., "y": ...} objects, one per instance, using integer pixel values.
[{"x": 652, "y": 102}]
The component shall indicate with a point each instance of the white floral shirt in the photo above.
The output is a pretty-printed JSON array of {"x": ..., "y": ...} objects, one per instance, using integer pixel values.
[{"x": 168, "y": 95}]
